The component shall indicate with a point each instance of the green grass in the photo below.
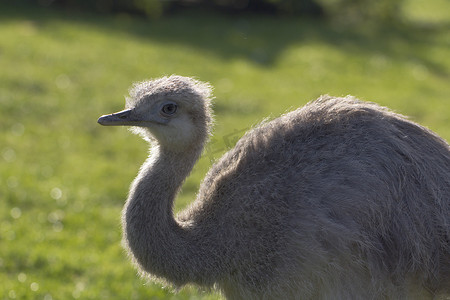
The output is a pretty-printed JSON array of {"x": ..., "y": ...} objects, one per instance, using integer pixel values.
[{"x": 64, "y": 178}]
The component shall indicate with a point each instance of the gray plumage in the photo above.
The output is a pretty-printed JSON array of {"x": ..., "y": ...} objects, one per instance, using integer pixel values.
[{"x": 339, "y": 199}]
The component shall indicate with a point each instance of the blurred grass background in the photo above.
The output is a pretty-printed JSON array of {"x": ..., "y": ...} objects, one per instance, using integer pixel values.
[{"x": 64, "y": 179}]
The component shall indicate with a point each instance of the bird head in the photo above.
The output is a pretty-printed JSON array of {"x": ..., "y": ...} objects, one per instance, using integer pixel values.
[{"x": 175, "y": 111}]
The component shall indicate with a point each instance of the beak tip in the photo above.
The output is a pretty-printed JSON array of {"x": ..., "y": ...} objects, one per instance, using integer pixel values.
[
  {"x": 115, "y": 119},
  {"x": 101, "y": 120}
]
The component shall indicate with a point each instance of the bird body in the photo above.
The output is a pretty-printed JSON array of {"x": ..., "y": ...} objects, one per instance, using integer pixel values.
[{"x": 339, "y": 199}]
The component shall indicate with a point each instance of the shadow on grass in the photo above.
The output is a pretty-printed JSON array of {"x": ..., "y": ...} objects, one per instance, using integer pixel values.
[{"x": 259, "y": 39}]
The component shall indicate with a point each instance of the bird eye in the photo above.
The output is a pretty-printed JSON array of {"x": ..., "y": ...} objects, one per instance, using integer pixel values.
[{"x": 169, "y": 109}]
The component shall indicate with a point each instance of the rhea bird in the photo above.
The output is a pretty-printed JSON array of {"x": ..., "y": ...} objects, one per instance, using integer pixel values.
[{"x": 339, "y": 199}]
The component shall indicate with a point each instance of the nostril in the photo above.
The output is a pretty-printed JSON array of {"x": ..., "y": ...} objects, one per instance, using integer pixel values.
[{"x": 121, "y": 115}]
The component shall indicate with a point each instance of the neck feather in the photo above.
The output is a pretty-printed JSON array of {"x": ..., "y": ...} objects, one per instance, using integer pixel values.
[{"x": 158, "y": 243}]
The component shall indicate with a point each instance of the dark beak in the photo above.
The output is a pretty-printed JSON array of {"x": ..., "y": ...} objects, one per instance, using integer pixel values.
[{"x": 124, "y": 117}]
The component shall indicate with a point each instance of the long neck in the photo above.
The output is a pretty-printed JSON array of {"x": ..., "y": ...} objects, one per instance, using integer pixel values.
[{"x": 158, "y": 243}]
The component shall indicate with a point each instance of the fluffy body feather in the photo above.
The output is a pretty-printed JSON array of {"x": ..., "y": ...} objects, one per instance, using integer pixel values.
[{"x": 339, "y": 199}]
